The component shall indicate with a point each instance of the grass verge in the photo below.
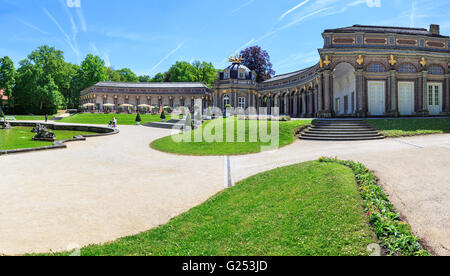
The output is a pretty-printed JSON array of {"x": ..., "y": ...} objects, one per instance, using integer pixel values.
[
  {"x": 411, "y": 127},
  {"x": 215, "y": 137},
  {"x": 307, "y": 209},
  {"x": 30, "y": 118},
  {"x": 104, "y": 119},
  {"x": 394, "y": 234}
]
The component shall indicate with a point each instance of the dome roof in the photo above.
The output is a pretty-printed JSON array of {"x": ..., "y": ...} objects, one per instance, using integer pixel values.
[{"x": 234, "y": 72}]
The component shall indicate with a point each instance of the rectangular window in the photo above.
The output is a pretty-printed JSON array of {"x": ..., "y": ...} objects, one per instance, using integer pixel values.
[
  {"x": 338, "y": 105},
  {"x": 430, "y": 95},
  {"x": 436, "y": 94},
  {"x": 241, "y": 102},
  {"x": 345, "y": 104},
  {"x": 353, "y": 102}
]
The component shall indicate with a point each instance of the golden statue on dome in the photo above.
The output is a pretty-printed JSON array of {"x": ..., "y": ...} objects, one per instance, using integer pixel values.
[{"x": 235, "y": 59}]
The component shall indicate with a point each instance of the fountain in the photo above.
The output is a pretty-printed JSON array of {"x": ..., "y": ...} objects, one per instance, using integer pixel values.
[{"x": 43, "y": 134}]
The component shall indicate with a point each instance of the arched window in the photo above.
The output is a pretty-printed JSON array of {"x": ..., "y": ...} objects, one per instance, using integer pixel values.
[
  {"x": 376, "y": 68},
  {"x": 435, "y": 70},
  {"x": 407, "y": 68},
  {"x": 226, "y": 100}
]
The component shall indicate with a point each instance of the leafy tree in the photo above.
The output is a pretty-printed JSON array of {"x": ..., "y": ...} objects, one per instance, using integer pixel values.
[
  {"x": 93, "y": 70},
  {"x": 52, "y": 63},
  {"x": 198, "y": 71},
  {"x": 182, "y": 71},
  {"x": 204, "y": 72},
  {"x": 113, "y": 75},
  {"x": 72, "y": 97},
  {"x": 36, "y": 92},
  {"x": 127, "y": 75},
  {"x": 166, "y": 77},
  {"x": 144, "y": 79},
  {"x": 258, "y": 60},
  {"x": 160, "y": 77},
  {"x": 7, "y": 78}
]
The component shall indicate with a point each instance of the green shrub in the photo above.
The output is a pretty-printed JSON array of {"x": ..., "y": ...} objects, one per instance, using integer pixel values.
[{"x": 138, "y": 117}]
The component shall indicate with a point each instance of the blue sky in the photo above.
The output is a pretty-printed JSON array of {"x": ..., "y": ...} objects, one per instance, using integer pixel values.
[{"x": 150, "y": 35}]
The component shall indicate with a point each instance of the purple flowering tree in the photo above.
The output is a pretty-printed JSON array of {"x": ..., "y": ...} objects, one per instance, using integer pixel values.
[{"x": 258, "y": 60}]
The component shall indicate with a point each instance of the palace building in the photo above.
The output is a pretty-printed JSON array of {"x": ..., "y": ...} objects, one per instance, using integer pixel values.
[
  {"x": 157, "y": 94},
  {"x": 363, "y": 71}
]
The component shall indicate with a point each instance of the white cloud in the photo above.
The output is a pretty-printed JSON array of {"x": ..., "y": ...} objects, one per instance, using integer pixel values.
[
  {"x": 104, "y": 55},
  {"x": 32, "y": 26},
  {"x": 73, "y": 3},
  {"x": 298, "y": 60},
  {"x": 127, "y": 35},
  {"x": 152, "y": 71},
  {"x": 82, "y": 19},
  {"x": 373, "y": 3},
  {"x": 243, "y": 6},
  {"x": 293, "y": 9},
  {"x": 72, "y": 43},
  {"x": 303, "y": 18}
]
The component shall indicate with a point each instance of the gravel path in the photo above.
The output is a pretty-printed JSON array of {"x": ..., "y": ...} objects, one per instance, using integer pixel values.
[{"x": 109, "y": 187}]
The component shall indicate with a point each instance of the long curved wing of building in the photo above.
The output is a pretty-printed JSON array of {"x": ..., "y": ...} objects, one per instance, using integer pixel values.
[{"x": 363, "y": 71}]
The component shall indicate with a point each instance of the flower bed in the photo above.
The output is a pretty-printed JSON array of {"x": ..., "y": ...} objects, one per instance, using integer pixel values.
[{"x": 394, "y": 234}]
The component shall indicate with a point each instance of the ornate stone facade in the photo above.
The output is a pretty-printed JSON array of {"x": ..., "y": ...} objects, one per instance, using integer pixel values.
[
  {"x": 363, "y": 71},
  {"x": 151, "y": 94}
]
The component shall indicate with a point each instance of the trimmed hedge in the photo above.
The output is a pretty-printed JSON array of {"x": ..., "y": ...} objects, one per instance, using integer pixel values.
[{"x": 394, "y": 234}]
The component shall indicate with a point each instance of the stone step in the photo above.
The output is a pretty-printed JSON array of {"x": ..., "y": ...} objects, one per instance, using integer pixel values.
[
  {"x": 342, "y": 139},
  {"x": 340, "y": 124},
  {"x": 340, "y": 131},
  {"x": 342, "y": 128},
  {"x": 339, "y": 135}
]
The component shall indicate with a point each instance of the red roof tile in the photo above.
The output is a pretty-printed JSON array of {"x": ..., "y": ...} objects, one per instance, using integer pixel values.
[{"x": 5, "y": 98}]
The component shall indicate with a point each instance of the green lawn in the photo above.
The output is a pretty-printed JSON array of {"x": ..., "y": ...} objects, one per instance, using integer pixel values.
[
  {"x": 411, "y": 127},
  {"x": 190, "y": 146},
  {"x": 21, "y": 137},
  {"x": 306, "y": 209},
  {"x": 104, "y": 119},
  {"x": 30, "y": 118}
]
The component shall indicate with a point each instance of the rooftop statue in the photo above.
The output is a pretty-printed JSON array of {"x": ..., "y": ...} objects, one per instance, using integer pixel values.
[{"x": 235, "y": 59}]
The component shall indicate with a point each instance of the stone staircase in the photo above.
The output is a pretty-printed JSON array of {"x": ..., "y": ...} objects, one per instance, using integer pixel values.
[{"x": 341, "y": 130}]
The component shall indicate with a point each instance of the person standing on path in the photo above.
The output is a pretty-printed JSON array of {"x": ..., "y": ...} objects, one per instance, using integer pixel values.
[
  {"x": 46, "y": 117},
  {"x": 114, "y": 121}
]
